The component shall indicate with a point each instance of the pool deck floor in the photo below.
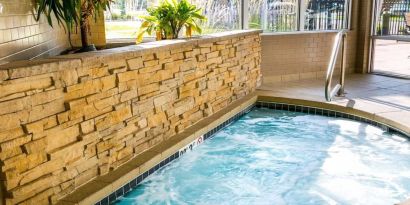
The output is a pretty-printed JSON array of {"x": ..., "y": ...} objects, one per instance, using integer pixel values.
[{"x": 384, "y": 97}]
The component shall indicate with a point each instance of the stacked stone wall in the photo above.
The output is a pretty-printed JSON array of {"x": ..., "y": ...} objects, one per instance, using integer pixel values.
[{"x": 67, "y": 120}]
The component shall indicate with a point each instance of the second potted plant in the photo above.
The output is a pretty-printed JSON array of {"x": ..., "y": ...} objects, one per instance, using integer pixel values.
[{"x": 169, "y": 18}]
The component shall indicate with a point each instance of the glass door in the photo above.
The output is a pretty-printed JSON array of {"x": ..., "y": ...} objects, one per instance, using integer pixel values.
[{"x": 391, "y": 38}]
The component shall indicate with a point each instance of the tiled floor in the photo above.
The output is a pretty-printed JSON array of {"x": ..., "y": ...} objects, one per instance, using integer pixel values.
[
  {"x": 383, "y": 96},
  {"x": 392, "y": 57}
]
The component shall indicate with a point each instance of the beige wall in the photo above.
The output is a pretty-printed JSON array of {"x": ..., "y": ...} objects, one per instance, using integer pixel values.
[
  {"x": 96, "y": 35},
  {"x": 290, "y": 57},
  {"x": 364, "y": 35},
  {"x": 21, "y": 37},
  {"x": 67, "y": 120}
]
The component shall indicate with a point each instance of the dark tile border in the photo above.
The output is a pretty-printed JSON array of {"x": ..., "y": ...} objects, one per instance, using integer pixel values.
[
  {"x": 327, "y": 113},
  {"x": 113, "y": 197}
]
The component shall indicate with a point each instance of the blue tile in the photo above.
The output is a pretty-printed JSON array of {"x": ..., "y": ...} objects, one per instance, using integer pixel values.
[
  {"x": 151, "y": 171},
  {"x": 139, "y": 179},
  {"x": 133, "y": 183},
  {"x": 104, "y": 201},
  {"x": 145, "y": 175},
  {"x": 119, "y": 193},
  {"x": 112, "y": 198},
  {"x": 127, "y": 188}
]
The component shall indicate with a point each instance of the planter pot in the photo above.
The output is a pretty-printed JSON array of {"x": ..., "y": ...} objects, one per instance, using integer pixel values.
[{"x": 87, "y": 49}]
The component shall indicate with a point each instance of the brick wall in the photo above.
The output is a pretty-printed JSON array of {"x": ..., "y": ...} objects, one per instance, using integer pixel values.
[
  {"x": 298, "y": 56},
  {"x": 65, "y": 121},
  {"x": 21, "y": 37}
]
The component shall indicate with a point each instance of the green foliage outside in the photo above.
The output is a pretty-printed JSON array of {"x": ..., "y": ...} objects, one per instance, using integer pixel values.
[{"x": 168, "y": 18}]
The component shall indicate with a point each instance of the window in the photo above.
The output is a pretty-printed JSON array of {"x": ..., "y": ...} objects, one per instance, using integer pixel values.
[
  {"x": 298, "y": 15},
  {"x": 221, "y": 15},
  {"x": 392, "y": 17},
  {"x": 122, "y": 21},
  {"x": 270, "y": 15},
  {"x": 273, "y": 15}
]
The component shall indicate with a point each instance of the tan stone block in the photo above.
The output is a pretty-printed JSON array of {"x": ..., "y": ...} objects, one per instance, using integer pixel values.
[
  {"x": 11, "y": 134},
  {"x": 41, "y": 125},
  {"x": 104, "y": 146},
  {"x": 135, "y": 63},
  {"x": 148, "y": 88},
  {"x": 183, "y": 105},
  {"x": 151, "y": 63},
  {"x": 90, "y": 87},
  {"x": 163, "y": 54},
  {"x": 100, "y": 71},
  {"x": 150, "y": 69},
  {"x": 187, "y": 86},
  {"x": 41, "y": 170},
  {"x": 189, "y": 93},
  {"x": 113, "y": 118},
  {"x": 212, "y": 55},
  {"x": 102, "y": 95},
  {"x": 156, "y": 119},
  {"x": 23, "y": 162},
  {"x": 143, "y": 123},
  {"x": 29, "y": 190},
  {"x": 69, "y": 153},
  {"x": 14, "y": 105},
  {"x": 172, "y": 66},
  {"x": 165, "y": 74},
  {"x": 16, "y": 86},
  {"x": 13, "y": 120},
  {"x": 58, "y": 137},
  {"x": 128, "y": 95},
  {"x": 46, "y": 110},
  {"x": 127, "y": 76},
  {"x": 5, "y": 154},
  {"x": 161, "y": 100},
  {"x": 90, "y": 150},
  {"x": 124, "y": 153},
  {"x": 11, "y": 144},
  {"x": 149, "y": 56},
  {"x": 47, "y": 96},
  {"x": 3, "y": 75},
  {"x": 87, "y": 126},
  {"x": 177, "y": 56},
  {"x": 107, "y": 102},
  {"x": 35, "y": 146},
  {"x": 41, "y": 198},
  {"x": 108, "y": 82},
  {"x": 68, "y": 76}
]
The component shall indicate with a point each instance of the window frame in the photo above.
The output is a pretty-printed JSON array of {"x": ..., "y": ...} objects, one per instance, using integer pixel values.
[
  {"x": 244, "y": 22},
  {"x": 300, "y": 16}
]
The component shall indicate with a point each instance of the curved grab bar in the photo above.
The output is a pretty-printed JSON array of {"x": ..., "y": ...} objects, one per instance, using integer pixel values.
[{"x": 339, "y": 88}]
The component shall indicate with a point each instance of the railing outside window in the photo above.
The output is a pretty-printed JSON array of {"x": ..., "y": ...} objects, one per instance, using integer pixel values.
[
  {"x": 298, "y": 15},
  {"x": 392, "y": 17},
  {"x": 325, "y": 15}
]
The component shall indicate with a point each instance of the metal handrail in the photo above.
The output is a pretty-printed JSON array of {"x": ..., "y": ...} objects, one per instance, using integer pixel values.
[{"x": 339, "y": 88}]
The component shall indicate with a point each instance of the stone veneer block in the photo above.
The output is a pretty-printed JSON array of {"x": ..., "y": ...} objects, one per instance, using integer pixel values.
[{"x": 67, "y": 120}]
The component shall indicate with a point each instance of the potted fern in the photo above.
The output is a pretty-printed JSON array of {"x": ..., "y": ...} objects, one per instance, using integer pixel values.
[
  {"x": 169, "y": 18},
  {"x": 72, "y": 13}
]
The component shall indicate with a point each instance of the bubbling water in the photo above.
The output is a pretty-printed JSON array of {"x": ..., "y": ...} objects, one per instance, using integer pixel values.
[{"x": 280, "y": 157}]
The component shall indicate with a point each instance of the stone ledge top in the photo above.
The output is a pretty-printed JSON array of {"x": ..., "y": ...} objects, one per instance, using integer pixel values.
[{"x": 91, "y": 58}]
